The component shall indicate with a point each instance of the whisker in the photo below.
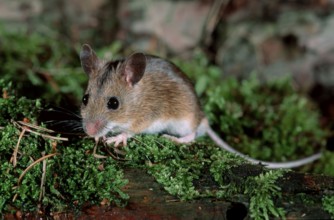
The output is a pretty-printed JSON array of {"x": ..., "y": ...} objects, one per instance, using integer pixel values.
[
  {"x": 77, "y": 128},
  {"x": 65, "y": 111},
  {"x": 57, "y": 118},
  {"x": 56, "y": 122}
]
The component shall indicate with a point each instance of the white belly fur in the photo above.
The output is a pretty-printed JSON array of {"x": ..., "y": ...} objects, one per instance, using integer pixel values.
[{"x": 173, "y": 127}]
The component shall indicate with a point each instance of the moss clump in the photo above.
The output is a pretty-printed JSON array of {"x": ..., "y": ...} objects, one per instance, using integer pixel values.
[
  {"x": 69, "y": 178},
  {"x": 175, "y": 167},
  {"x": 179, "y": 167},
  {"x": 263, "y": 191},
  {"x": 269, "y": 122},
  {"x": 326, "y": 164},
  {"x": 91, "y": 179},
  {"x": 13, "y": 108},
  {"x": 49, "y": 65},
  {"x": 328, "y": 204}
]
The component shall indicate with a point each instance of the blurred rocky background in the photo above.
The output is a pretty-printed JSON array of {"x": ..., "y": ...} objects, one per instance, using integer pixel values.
[{"x": 272, "y": 37}]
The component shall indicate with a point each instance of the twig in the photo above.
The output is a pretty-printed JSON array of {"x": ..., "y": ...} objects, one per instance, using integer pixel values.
[
  {"x": 38, "y": 133},
  {"x": 33, "y": 164},
  {"x": 41, "y": 195},
  {"x": 48, "y": 136},
  {"x": 28, "y": 168},
  {"x": 15, "y": 196},
  {"x": 35, "y": 127},
  {"x": 14, "y": 157}
]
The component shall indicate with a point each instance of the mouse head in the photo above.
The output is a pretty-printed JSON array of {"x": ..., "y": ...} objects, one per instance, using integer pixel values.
[{"x": 111, "y": 87}]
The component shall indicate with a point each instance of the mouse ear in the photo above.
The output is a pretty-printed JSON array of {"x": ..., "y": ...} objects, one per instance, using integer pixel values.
[
  {"x": 134, "y": 68},
  {"x": 89, "y": 60}
]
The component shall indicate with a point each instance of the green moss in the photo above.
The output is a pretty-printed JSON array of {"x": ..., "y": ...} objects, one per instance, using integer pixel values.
[
  {"x": 173, "y": 166},
  {"x": 91, "y": 179},
  {"x": 73, "y": 176},
  {"x": 13, "y": 108},
  {"x": 51, "y": 66},
  {"x": 263, "y": 191},
  {"x": 269, "y": 122},
  {"x": 326, "y": 164},
  {"x": 266, "y": 120},
  {"x": 328, "y": 204},
  {"x": 222, "y": 162},
  {"x": 204, "y": 75},
  {"x": 178, "y": 167}
]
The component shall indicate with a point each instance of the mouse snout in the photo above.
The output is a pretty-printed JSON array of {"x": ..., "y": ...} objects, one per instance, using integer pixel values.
[{"x": 92, "y": 128}]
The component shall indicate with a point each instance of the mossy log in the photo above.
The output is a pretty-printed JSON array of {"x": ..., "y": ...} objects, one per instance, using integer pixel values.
[{"x": 149, "y": 201}]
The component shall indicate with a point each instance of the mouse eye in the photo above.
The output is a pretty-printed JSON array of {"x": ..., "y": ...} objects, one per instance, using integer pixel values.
[
  {"x": 113, "y": 103},
  {"x": 85, "y": 99}
]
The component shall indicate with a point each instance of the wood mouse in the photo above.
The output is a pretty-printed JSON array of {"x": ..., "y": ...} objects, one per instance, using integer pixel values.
[{"x": 150, "y": 95}]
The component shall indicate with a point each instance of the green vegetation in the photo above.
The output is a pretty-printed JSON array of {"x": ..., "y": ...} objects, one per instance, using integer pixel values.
[
  {"x": 42, "y": 62},
  {"x": 70, "y": 175},
  {"x": 169, "y": 164},
  {"x": 328, "y": 204},
  {"x": 177, "y": 168},
  {"x": 267, "y": 120},
  {"x": 272, "y": 120},
  {"x": 264, "y": 120},
  {"x": 263, "y": 191},
  {"x": 13, "y": 108}
]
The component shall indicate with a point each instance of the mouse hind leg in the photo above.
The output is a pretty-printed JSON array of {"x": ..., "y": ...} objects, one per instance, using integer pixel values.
[
  {"x": 187, "y": 138},
  {"x": 181, "y": 140}
]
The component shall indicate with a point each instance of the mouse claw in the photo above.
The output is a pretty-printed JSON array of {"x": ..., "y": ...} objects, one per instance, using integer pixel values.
[{"x": 121, "y": 138}]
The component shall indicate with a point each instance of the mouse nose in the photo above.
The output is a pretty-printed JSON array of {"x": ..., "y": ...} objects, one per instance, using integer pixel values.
[{"x": 93, "y": 128}]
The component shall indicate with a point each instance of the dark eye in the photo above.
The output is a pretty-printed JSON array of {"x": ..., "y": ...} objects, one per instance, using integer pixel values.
[
  {"x": 85, "y": 99},
  {"x": 113, "y": 103}
]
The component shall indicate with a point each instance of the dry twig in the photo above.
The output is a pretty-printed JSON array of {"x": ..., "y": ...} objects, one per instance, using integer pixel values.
[
  {"x": 33, "y": 164},
  {"x": 42, "y": 192},
  {"x": 27, "y": 126},
  {"x": 14, "y": 157}
]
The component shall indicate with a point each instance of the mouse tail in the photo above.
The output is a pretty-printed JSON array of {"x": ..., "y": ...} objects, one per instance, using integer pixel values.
[{"x": 273, "y": 165}]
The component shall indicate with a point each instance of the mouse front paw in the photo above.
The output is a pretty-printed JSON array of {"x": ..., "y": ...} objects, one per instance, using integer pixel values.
[{"x": 120, "y": 138}]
